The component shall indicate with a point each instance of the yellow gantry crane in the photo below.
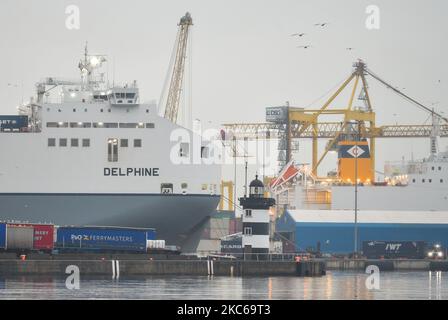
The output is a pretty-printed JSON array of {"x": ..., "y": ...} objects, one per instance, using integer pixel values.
[{"x": 304, "y": 123}]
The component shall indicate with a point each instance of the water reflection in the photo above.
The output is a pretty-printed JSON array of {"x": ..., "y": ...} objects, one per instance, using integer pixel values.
[{"x": 335, "y": 285}]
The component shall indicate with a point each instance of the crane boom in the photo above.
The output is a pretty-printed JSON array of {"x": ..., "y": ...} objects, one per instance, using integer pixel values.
[
  {"x": 175, "y": 89},
  {"x": 420, "y": 105}
]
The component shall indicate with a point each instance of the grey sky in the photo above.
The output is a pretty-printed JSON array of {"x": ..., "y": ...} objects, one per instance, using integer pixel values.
[{"x": 243, "y": 56}]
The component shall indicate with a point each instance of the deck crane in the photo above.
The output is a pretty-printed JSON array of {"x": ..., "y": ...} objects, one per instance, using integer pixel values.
[{"x": 177, "y": 72}]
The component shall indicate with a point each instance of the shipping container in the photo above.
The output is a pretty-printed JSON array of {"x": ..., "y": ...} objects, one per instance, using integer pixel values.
[
  {"x": 19, "y": 237},
  {"x": 13, "y": 122},
  {"x": 150, "y": 234},
  {"x": 2, "y": 236},
  {"x": 103, "y": 238},
  {"x": 394, "y": 249},
  {"x": 232, "y": 245},
  {"x": 155, "y": 244},
  {"x": 43, "y": 235}
]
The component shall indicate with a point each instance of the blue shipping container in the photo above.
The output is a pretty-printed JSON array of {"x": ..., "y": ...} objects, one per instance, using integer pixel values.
[
  {"x": 102, "y": 238},
  {"x": 13, "y": 122},
  {"x": 2, "y": 235}
]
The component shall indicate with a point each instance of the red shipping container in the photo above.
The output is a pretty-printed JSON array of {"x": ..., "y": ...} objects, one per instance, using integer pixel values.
[{"x": 43, "y": 235}]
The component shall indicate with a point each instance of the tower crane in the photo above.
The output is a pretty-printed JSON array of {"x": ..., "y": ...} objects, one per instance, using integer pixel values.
[{"x": 177, "y": 73}]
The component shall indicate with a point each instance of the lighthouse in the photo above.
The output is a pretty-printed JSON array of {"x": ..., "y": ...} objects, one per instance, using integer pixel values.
[{"x": 255, "y": 232}]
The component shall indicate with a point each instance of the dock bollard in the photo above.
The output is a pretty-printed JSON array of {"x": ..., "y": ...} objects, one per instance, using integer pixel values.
[{"x": 210, "y": 270}]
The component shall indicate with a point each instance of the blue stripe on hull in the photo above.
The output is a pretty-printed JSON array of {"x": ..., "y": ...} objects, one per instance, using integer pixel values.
[
  {"x": 339, "y": 237},
  {"x": 173, "y": 216}
]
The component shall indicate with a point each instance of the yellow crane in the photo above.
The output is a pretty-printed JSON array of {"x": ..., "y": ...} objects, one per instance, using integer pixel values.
[{"x": 304, "y": 123}]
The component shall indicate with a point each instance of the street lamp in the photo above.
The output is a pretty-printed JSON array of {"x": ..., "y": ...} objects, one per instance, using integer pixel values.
[{"x": 357, "y": 136}]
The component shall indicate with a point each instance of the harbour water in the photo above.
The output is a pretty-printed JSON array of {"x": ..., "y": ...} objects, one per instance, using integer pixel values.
[{"x": 335, "y": 285}]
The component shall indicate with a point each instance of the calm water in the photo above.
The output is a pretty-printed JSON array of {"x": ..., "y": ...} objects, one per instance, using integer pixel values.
[{"x": 335, "y": 285}]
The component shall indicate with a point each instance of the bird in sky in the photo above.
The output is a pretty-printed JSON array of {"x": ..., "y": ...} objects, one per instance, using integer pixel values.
[
  {"x": 298, "y": 34},
  {"x": 349, "y": 48},
  {"x": 321, "y": 24},
  {"x": 305, "y": 47}
]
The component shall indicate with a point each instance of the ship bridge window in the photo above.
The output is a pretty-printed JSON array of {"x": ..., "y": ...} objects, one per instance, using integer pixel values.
[
  {"x": 74, "y": 142},
  {"x": 98, "y": 125},
  {"x": 137, "y": 143},
  {"x": 131, "y": 125},
  {"x": 51, "y": 142},
  {"x": 57, "y": 124},
  {"x": 119, "y": 95},
  {"x": 124, "y": 143},
  {"x": 111, "y": 125},
  {"x": 86, "y": 143},
  {"x": 130, "y": 95},
  {"x": 128, "y": 125},
  {"x": 62, "y": 142},
  {"x": 100, "y": 97},
  {"x": 80, "y": 125},
  {"x": 112, "y": 150},
  {"x": 150, "y": 126}
]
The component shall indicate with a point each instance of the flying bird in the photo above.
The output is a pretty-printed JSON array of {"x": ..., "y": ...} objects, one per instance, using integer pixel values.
[
  {"x": 349, "y": 48},
  {"x": 322, "y": 24},
  {"x": 305, "y": 47},
  {"x": 298, "y": 34}
]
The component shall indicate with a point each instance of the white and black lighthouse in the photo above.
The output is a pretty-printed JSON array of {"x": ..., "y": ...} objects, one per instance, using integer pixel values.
[{"x": 255, "y": 238}]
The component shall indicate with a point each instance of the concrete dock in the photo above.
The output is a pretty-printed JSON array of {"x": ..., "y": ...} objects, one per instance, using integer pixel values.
[
  {"x": 148, "y": 267},
  {"x": 387, "y": 265},
  {"x": 171, "y": 265}
]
